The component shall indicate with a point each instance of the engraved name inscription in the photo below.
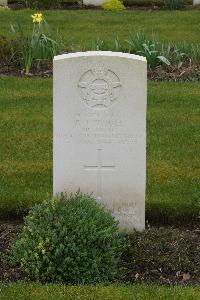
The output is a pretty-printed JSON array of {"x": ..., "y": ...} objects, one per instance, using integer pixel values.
[
  {"x": 105, "y": 129},
  {"x": 97, "y": 128}
]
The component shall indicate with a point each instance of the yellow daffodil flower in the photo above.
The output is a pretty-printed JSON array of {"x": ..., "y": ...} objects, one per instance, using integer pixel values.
[{"x": 37, "y": 18}]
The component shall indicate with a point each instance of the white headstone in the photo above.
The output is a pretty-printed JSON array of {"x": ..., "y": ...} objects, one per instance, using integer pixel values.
[
  {"x": 93, "y": 2},
  {"x": 3, "y": 2},
  {"x": 100, "y": 130},
  {"x": 196, "y": 2}
]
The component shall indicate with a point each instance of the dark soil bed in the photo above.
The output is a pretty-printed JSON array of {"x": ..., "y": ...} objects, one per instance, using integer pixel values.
[
  {"x": 7, "y": 232},
  {"x": 188, "y": 72},
  {"x": 163, "y": 255}
]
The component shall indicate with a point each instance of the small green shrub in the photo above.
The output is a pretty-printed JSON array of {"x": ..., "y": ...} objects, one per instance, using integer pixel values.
[
  {"x": 44, "y": 4},
  {"x": 113, "y": 5},
  {"x": 175, "y": 4},
  {"x": 71, "y": 240}
]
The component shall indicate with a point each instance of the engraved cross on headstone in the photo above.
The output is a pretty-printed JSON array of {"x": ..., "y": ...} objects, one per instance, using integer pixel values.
[{"x": 99, "y": 167}]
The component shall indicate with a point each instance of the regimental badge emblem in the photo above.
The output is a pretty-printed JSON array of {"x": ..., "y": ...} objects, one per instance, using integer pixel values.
[{"x": 99, "y": 87}]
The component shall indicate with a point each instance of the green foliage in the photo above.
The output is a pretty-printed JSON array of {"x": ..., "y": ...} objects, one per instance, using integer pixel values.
[
  {"x": 29, "y": 51},
  {"x": 69, "y": 240},
  {"x": 175, "y": 4},
  {"x": 186, "y": 51},
  {"x": 44, "y": 4},
  {"x": 99, "y": 45},
  {"x": 33, "y": 49},
  {"x": 155, "y": 52},
  {"x": 113, "y": 5},
  {"x": 159, "y": 53},
  {"x": 151, "y": 49}
]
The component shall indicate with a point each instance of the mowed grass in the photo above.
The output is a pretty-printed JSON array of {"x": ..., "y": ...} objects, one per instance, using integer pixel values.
[
  {"x": 26, "y": 143},
  {"x": 172, "y": 148},
  {"x": 83, "y": 27},
  {"x": 173, "y": 151},
  {"x": 136, "y": 292}
]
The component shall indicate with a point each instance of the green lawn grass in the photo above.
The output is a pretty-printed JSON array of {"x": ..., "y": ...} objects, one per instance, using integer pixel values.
[
  {"x": 82, "y": 27},
  {"x": 172, "y": 152},
  {"x": 22, "y": 291}
]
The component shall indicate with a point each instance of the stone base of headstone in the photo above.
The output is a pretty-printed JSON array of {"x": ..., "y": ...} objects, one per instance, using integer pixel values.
[
  {"x": 93, "y": 2},
  {"x": 3, "y": 2}
]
